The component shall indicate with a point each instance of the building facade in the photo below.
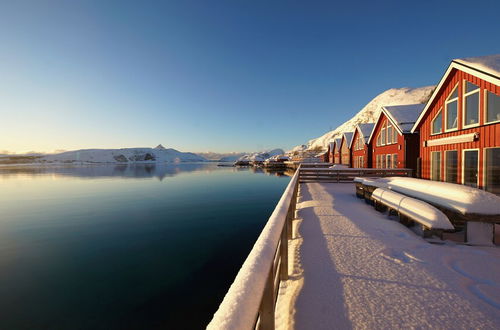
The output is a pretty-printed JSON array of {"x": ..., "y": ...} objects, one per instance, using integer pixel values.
[{"x": 360, "y": 149}]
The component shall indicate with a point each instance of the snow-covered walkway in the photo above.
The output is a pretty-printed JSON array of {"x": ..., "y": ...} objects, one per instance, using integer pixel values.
[{"x": 352, "y": 267}]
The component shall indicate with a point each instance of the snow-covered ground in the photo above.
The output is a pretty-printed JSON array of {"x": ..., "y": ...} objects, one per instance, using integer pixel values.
[
  {"x": 261, "y": 156},
  {"x": 369, "y": 113},
  {"x": 159, "y": 154},
  {"x": 352, "y": 267}
]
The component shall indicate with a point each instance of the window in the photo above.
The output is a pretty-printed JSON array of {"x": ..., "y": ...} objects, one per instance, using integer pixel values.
[
  {"x": 361, "y": 161},
  {"x": 378, "y": 162},
  {"x": 471, "y": 104},
  {"x": 389, "y": 134},
  {"x": 450, "y": 166},
  {"x": 382, "y": 165},
  {"x": 394, "y": 136},
  {"x": 395, "y": 161},
  {"x": 451, "y": 106},
  {"x": 382, "y": 138},
  {"x": 470, "y": 167},
  {"x": 492, "y": 170},
  {"x": 389, "y": 161},
  {"x": 378, "y": 139},
  {"x": 436, "y": 165},
  {"x": 437, "y": 123},
  {"x": 492, "y": 107}
]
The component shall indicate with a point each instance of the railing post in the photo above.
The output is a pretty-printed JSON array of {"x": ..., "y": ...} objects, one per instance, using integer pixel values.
[
  {"x": 266, "y": 311},
  {"x": 284, "y": 249}
]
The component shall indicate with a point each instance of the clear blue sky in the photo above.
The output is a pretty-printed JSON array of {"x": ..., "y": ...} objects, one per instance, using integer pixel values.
[{"x": 217, "y": 75}]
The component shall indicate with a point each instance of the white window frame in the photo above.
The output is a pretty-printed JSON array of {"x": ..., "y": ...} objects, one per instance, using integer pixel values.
[
  {"x": 463, "y": 163},
  {"x": 388, "y": 164},
  {"x": 387, "y": 133},
  {"x": 395, "y": 135},
  {"x": 383, "y": 137},
  {"x": 394, "y": 163},
  {"x": 486, "y": 108},
  {"x": 446, "y": 102},
  {"x": 440, "y": 164},
  {"x": 464, "y": 98},
  {"x": 444, "y": 163},
  {"x": 484, "y": 165},
  {"x": 433, "y": 119}
]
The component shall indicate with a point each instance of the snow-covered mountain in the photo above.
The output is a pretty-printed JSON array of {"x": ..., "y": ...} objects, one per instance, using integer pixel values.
[
  {"x": 394, "y": 96},
  {"x": 159, "y": 154},
  {"x": 261, "y": 156}
]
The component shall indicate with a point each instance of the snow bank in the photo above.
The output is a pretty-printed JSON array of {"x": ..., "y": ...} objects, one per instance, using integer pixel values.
[
  {"x": 454, "y": 196},
  {"x": 240, "y": 306},
  {"x": 418, "y": 211}
]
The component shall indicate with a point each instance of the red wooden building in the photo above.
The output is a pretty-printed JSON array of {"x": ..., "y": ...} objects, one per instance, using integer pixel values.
[
  {"x": 336, "y": 151},
  {"x": 345, "y": 149},
  {"x": 392, "y": 142},
  {"x": 460, "y": 125},
  {"x": 360, "y": 149},
  {"x": 331, "y": 147}
]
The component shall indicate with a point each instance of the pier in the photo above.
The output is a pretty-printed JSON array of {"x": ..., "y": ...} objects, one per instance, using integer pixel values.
[{"x": 326, "y": 259}]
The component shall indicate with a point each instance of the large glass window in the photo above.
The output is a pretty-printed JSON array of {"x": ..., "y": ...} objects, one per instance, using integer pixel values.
[
  {"x": 389, "y": 134},
  {"x": 470, "y": 168},
  {"x": 383, "y": 136},
  {"x": 471, "y": 104},
  {"x": 389, "y": 161},
  {"x": 395, "y": 161},
  {"x": 492, "y": 107},
  {"x": 451, "y": 106},
  {"x": 382, "y": 158},
  {"x": 492, "y": 170},
  {"x": 451, "y": 166},
  {"x": 394, "y": 136},
  {"x": 436, "y": 165},
  {"x": 437, "y": 123}
]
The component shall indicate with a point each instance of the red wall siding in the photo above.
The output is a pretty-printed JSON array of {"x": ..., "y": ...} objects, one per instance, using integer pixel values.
[
  {"x": 489, "y": 134},
  {"x": 397, "y": 148},
  {"x": 345, "y": 153},
  {"x": 363, "y": 152}
]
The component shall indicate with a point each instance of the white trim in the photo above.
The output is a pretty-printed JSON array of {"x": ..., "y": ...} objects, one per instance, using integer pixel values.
[
  {"x": 445, "y": 159},
  {"x": 447, "y": 101},
  {"x": 390, "y": 118},
  {"x": 440, "y": 165},
  {"x": 463, "y": 68},
  {"x": 471, "y": 137},
  {"x": 486, "y": 107},
  {"x": 395, "y": 165},
  {"x": 465, "y": 94},
  {"x": 463, "y": 167},
  {"x": 484, "y": 164}
]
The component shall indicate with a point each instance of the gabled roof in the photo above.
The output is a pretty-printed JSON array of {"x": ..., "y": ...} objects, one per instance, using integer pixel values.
[
  {"x": 403, "y": 116},
  {"x": 365, "y": 130},
  {"x": 337, "y": 143},
  {"x": 484, "y": 67},
  {"x": 348, "y": 138}
]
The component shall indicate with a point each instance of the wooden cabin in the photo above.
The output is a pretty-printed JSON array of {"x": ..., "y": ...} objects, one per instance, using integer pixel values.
[
  {"x": 331, "y": 149},
  {"x": 392, "y": 142},
  {"x": 361, "y": 151},
  {"x": 336, "y": 151},
  {"x": 460, "y": 125},
  {"x": 345, "y": 149}
]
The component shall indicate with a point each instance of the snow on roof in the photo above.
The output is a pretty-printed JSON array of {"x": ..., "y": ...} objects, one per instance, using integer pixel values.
[
  {"x": 366, "y": 130},
  {"x": 458, "y": 197},
  {"x": 404, "y": 116},
  {"x": 337, "y": 143},
  {"x": 348, "y": 137},
  {"x": 484, "y": 67},
  {"x": 489, "y": 64}
]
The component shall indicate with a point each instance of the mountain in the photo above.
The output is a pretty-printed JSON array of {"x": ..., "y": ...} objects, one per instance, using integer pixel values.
[
  {"x": 159, "y": 154},
  {"x": 221, "y": 157},
  {"x": 261, "y": 156},
  {"x": 394, "y": 96}
]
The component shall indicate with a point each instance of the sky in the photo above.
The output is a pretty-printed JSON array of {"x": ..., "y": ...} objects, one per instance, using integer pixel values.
[{"x": 217, "y": 75}]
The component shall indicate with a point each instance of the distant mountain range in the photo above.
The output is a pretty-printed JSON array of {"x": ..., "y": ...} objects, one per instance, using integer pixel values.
[{"x": 369, "y": 113}]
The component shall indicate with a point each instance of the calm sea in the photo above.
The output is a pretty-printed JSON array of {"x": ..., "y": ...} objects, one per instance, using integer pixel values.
[{"x": 125, "y": 247}]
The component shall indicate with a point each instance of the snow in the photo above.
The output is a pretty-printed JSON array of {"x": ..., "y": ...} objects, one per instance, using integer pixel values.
[
  {"x": 418, "y": 211},
  {"x": 489, "y": 63},
  {"x": 354, "y": 268},
  {"x": 242, "y": 301},
  {"x": 126, "y": 155},
  {"x": 480, "y": 233},
  {"x": 277, "y": 158},
  {"x": 404, "y": 116},
  {"x": 339, "y": 167},
  {"x": 461, "y": 198},
  {"x": 260, "y": 156},
  {"x": 337, "y": 143},
  {"x": 365, "y": 130},
  {"x": 369, "y": 113}
]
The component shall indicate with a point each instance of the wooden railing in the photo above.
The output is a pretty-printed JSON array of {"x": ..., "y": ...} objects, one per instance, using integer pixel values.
[
  {"x": 251, "y": 300},
  {"x": 308, "y": 174}
]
